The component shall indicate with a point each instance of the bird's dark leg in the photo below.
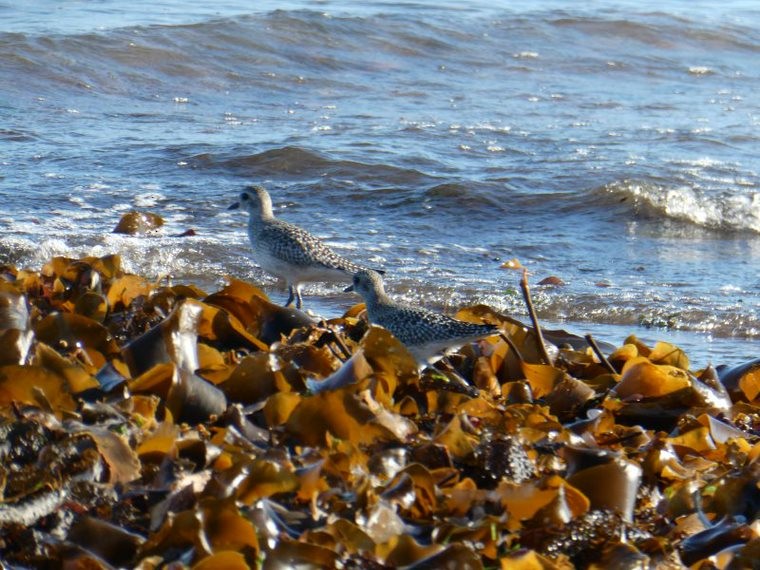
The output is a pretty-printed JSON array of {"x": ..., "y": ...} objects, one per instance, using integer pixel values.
[{"x": 291, "y": 296}]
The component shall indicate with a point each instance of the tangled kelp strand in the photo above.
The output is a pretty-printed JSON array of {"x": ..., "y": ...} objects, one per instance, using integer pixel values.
[{"x": 183, "y": 428}]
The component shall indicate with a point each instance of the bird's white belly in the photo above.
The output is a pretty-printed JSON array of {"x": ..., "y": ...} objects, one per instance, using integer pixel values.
[
  {"x": 293, "y": 273},
  {"x": 430, "y": 352}
]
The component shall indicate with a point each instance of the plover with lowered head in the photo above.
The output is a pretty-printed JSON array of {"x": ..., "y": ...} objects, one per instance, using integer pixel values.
[
  {"x": 287, "y": 251},
  {"x": 426, "y": 334}
]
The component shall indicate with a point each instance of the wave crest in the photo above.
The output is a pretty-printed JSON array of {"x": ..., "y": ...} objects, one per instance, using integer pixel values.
[
  {"x": 298, "y": 162},
  {"x": 727, "y": 210}
]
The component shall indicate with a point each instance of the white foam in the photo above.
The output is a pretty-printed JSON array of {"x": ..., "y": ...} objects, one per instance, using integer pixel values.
[
  {"x": 148, "y": 199},
  {"x": 33, "y": 254},
  {"x": 726, "y": 210}
]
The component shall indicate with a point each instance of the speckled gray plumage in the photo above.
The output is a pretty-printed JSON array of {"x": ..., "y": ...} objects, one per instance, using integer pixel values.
[
  {"x": 296, "y": 246},
  {"x": 288, "y": 251},
  {"x": 425, "y": 333}
]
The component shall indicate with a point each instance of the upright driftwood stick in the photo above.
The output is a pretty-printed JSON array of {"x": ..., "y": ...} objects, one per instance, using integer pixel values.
[
  {"x": 599, "y": 354},
  {"x": 534, "y": 319}
]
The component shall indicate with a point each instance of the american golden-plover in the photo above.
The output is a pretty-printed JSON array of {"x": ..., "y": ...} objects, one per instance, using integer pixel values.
[
  {"x": 287, "y": 251},
  {"x": 425, "y": 333}
]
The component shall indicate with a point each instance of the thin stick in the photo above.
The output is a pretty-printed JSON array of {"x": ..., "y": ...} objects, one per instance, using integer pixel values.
[
  {"x": 534, "y": 318},
  {"x": 336, "y": 340},
  {"x": 512, "y": 346},
  {"x": 335, "y": 352},
  {"x": 342, "y": 345},
  {"x": 599, "y": 354}
]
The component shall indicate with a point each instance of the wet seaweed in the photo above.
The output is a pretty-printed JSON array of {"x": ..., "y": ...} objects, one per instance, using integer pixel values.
[{"x": 144, "y": 424}]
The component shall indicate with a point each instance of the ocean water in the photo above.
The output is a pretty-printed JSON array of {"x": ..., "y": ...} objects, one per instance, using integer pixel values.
[{"x": 614, "y": 145}]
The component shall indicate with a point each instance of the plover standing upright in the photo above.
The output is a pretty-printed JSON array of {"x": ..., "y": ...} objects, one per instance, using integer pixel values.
[
  {"x": 425, "y": 333},
  {"x": 287, "y": 251}
]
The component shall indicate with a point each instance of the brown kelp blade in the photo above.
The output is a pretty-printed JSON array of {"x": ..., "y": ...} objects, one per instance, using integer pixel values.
[
  {"x": 260, "y": 317},
  {"x": 236, "y": 435}
]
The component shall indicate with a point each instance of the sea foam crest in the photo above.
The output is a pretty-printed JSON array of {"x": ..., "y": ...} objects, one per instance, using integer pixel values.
[{"x": 727, "y": 210}]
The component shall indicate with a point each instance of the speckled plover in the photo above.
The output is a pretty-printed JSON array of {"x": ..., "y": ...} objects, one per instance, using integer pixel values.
[
  {"x": 427, "y": 335},
  {"x": 287, "y": 251}
]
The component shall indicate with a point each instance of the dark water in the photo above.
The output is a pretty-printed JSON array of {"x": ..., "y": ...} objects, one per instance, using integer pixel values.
[{"x": 614, "y": 145}]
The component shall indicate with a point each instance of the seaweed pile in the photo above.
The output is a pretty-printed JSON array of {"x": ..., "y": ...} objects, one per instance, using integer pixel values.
[{"x": 146, "y": 425}]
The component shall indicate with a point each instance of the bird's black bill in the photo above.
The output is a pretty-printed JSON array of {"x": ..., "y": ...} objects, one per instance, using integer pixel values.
[
  {"x": 234, "y": 206},
  {"x": 348, "y": 289}
]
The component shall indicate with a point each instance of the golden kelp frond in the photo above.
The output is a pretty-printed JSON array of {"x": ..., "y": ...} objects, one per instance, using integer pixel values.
[{"x": 146, "y": 425}]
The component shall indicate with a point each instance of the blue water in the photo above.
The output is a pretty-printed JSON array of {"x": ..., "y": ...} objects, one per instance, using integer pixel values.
[{"x": 613, "y": 145}]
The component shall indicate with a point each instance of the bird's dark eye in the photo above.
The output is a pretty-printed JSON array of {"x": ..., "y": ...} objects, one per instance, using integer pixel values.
[{"x": 244, "y": 196}]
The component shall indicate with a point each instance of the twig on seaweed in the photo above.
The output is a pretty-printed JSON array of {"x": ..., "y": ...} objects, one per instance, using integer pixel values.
[
  {"x": 696, "y": 496},
  {"x": 335, "y": 338},
  {"x": 534, "y": 318},
  {"x": 599, "y": 354},
  {"x": 334, "y": 352},
  {"x": 512, "y": 346},
  {"x": 617, "y": 440},
  {"x": 342, "y": 345},
  {"x": 446, "y": 478}
]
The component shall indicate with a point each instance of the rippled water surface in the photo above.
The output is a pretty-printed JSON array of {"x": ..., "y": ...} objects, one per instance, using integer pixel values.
[{"x": 614, "y": 145}]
